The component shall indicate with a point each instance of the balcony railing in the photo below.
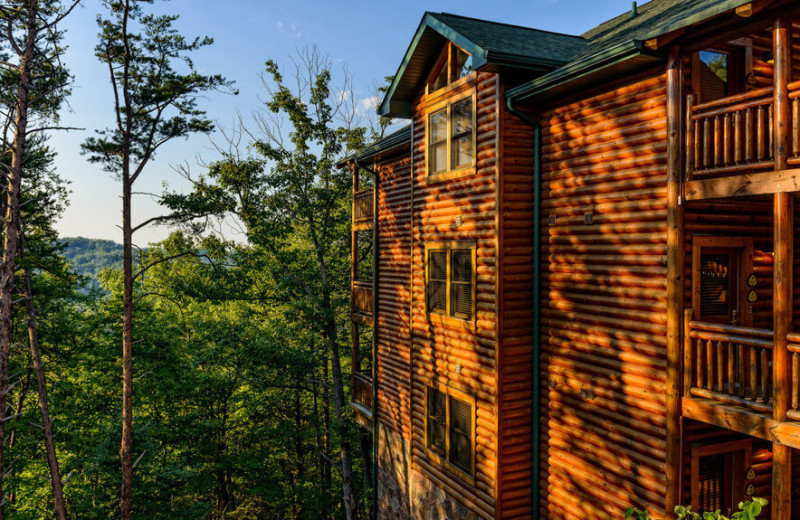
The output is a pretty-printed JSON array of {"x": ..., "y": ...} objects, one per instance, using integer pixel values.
[
  {"x": 730, "y": 135},
  {"x": 729, "y": 363},
  {"x": 363, "y": 206},
  {"x": 794, "y": 96},
  {"x": 794, "y": 349},
  {"x": 362, "y": 298},
  {"x": 362, "y": 390}
]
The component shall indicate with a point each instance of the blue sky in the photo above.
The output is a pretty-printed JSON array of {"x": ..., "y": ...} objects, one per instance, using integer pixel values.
[{"x": 370, "y": 36}]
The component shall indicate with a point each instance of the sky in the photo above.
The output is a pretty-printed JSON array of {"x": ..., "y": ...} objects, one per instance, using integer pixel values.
[{"x": 370, "y": 37}]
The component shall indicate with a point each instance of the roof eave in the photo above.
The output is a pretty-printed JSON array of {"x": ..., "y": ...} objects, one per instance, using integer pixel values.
[
  {"x": 578, "y": 69},
  {"x": 388, "y": 106}
]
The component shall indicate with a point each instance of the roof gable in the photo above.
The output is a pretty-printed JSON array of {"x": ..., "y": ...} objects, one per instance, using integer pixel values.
[{"x": 489, "y": 43}]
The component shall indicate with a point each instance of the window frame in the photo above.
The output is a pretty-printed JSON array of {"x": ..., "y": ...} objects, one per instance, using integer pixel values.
[
  {"x": 443, "y": 460},
  {"x": 451, "y": 172},
  {"x": 741, "y": 250},
  {"x": 736, "y": 474},
  {"x": 447, "y": 317},
  {"x": 740, "y": 66}
]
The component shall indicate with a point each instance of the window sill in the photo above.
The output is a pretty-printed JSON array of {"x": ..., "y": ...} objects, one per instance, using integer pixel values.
[
  {"x": 465, "y": 171},
  {"x": 444, "y": 464},
  {"x": 443, "y": 319}
]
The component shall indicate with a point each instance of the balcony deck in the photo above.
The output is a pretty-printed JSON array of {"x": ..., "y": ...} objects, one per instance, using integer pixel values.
[
  {"x": 728, "y": 380},
  {"x": 730, "y": 146},
  {"x": 361, "y": 302},
  {"x": 362, "y": 399},
  {"x": 363, "y": 209}
]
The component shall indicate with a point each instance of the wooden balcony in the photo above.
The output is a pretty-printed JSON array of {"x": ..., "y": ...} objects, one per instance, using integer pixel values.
[
  {"x": 363, "y": 209},
  {"x": 361, "y": 302},
  {"x": 730, "y": 146},
  {"x": 729, "y": 364},
  {"x": 361, "y": 400},
  {"x": 728, "y": 380}
]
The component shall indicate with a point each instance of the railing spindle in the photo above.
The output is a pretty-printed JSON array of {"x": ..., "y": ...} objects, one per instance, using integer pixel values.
[
  {"x": 761, "y": 133},
  {"x": 710, "y": 363},
  {"x": 753, "y": 374},
  {"x": 742, "y": 369},
  {"x": 796, "y": 127},
  {"x": 731, "y": 369},
  {"x": 749, "y": 135},
  {"x": 727, "y": 127},
  {"x": 764, "y": 377},
  {"x": 737, "y": 137},
  {"x": 795, "y": 380},
  {"x": 718, "y": 138},
  {"x": 720, "y": 367}
]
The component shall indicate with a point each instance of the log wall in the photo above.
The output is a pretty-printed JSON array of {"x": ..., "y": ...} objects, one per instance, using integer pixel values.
[
  {"x": 394, "y": 336},
  {"x": 460, "y": 356},
  {"x": 603, "y": 360}
]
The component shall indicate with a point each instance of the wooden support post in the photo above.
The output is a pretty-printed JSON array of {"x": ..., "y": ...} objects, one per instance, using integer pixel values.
[
  {"x": 674, "y": 277},
  {"x": 354, "y": 346},
  {"x": 782, "y": 292}
]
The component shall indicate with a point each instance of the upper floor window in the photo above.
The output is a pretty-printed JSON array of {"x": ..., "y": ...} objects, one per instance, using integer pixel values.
[
  {"x": 451, "y": 280},
  {"x": 723, "y": 71},
  {"x": 452, "y": 65},
  {"x": 451, "y": 137},
  {"x": 450, "y": 426}
]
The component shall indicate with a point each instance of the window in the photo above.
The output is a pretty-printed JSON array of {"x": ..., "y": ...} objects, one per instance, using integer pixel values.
[
  {"x": 453, "y": 64},
  {"x": 723, "y": 71},
  {"x": 720, "y": 475},
  {"x": 720, "y": 269},
  {"x": 451, "y": 137},
  {"x": 450, "y": 427},
  {"x": 450, "y": 280}
]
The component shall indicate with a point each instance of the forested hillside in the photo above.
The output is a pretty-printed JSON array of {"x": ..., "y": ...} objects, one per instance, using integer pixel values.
[
  {"x": 90, "y": 256},
  {"x": 209, "y": 378}
]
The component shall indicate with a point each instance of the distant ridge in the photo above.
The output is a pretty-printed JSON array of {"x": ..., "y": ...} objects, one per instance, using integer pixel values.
[{"x": 89, "y": 256}]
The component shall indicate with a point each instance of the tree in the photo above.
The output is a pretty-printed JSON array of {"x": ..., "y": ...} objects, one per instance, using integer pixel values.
[
  {"x": 294, "y": 203},
  {"x": 34, "y": 84},
  {"x": 154, "y": 103}
]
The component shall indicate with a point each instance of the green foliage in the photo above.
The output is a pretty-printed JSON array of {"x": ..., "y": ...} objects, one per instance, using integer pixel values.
[
  {"x": 749, "y": 510},
  {"x": 91, "y": 256},
  {"x": 156, "y": 102}
]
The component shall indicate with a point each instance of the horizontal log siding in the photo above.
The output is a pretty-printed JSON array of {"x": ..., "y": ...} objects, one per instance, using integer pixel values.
[
  {"x": 603, "y": 360},
  {"x": 437, "y": 349},
  {"x": 394, "y": 295},
  {"x": 516, "y": 345}
]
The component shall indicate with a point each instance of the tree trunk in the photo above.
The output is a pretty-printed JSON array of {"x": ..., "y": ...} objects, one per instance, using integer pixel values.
[
  {"x": 126, "y": 448},
  {"x": 59, "y": 505},
  {"x": 126, "y": 445},
  {"x": 11, "y": 220},
  {"x": 339, "y": 404}
]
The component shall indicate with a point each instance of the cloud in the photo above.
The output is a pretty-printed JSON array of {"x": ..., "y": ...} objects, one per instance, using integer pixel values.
[
  {"x": 343, "y": 95},
  {"x": 369, "y": 104},
  {"x": 291, "y": 28}
]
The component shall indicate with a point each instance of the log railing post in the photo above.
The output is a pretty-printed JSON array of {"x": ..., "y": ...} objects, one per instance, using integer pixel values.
[
  {"x": 688, "y": 353},
  {"x": 674, "y": 277},
  {"x": 782, "y": 292}
]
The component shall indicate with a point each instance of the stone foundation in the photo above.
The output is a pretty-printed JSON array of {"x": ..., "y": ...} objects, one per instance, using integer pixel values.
[
  {"x": 394, "y": 466},
  {"x": 406, "y": 494}
]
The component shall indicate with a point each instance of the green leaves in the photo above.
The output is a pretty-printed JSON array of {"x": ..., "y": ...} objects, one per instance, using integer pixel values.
[{"x": 749, "y": 510}]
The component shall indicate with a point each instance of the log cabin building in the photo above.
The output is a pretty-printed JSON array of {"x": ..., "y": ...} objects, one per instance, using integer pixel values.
[{"x": 573, "y": 284}]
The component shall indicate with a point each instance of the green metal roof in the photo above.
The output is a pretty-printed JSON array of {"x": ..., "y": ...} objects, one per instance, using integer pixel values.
[
  {"x": 490, "y": 44},
  {"x": 391, "y": 141},
  {"x": 619, "y": 42}
]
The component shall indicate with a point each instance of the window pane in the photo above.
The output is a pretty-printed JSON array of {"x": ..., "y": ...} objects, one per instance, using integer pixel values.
[
  {"x": 437, "y": 264},
  {"x": 460, "y": 435},
  {"x": 438, "y": 157},
  {"x": 437, "y": 297},
  {"x": 461, "y": 266},
  {"x": 715, "y": 285},
  {"x": 463, "y": 63},
  {"x": 461, "y": 300},
  {"x": 441, "y": 79},
  {"x": 438, "y": 126},
  {"x": 437, "y": 416},
  {"x": 462, "y": 117},
  {"x": 462, "y": 151},
  {"x": 713, "y": 75}
]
